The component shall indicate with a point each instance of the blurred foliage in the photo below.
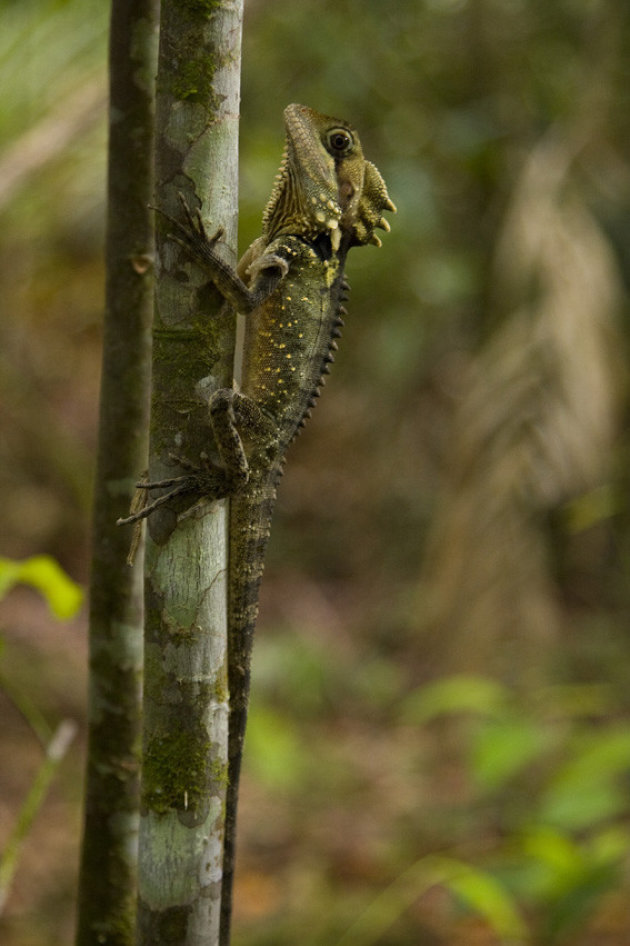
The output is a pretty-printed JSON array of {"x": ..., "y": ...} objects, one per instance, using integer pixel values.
[
  {"x": 535, "y": 838},
  {"x": 441, "y": 665},
  {"x": 552, "y": 770},
  {"x": 64, "y": 598},
  {"x": 63, "y": 595}
]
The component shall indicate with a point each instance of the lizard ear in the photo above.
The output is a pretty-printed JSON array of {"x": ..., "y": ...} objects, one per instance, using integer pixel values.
[{"x": 373, "y": 201}]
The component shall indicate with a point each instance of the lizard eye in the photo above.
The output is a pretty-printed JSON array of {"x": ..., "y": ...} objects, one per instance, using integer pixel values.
[{"x": 339, "y": 141}]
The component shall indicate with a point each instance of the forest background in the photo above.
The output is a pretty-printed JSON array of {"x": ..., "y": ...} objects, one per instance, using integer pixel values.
[{"x": 439, "y": 747}]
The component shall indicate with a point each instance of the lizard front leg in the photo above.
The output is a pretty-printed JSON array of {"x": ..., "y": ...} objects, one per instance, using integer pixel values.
[{"x": 267, "y": 273}]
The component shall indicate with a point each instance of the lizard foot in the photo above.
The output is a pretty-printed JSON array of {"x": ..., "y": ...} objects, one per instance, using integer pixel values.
[
  {"x": 194, "y": 237},
  {"x": 202, "y": 480}
]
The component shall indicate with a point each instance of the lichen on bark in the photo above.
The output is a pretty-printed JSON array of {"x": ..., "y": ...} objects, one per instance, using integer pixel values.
[{"x": 185, "y": 701}]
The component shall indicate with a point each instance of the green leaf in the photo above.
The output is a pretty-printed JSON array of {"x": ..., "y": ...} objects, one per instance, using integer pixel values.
[
  {"x": 588, "y": 788},
  {"x": 486, "y": 896},
  {"x": 503, "y": 747},
  {"x": 563, "y": 859},
  {"x": 610, "y": 846},
  {"x": 42, "y": 572},
  {"x": 461, "y": 693},
  {"x": 275, "y": 752},
  {"x": 570, "y": 911},
  {"x": 478, "y": 889},
  {"x": 572, "y": 878}
]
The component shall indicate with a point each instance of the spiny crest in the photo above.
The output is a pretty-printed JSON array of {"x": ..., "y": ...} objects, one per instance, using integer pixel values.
[
  {"x": 304, "y": 198},
  {"x": 327, "y": 361},
  {"x": 279, "y": 186}
]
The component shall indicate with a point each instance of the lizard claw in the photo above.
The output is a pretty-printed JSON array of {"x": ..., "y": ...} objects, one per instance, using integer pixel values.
[
  {"x": 205, "y": 480},
  {"x": 196, "y": 224},
  {"x": 194, "y": 235}
]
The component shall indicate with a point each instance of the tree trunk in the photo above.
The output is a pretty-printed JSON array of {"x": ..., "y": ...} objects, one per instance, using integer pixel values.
[
  {"x": 107, "y": 884},
  {"x": 186, "y": 700}
]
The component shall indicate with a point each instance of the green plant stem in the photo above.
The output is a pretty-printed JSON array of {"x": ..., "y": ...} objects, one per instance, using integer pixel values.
[{"x": 55, "y": 751}]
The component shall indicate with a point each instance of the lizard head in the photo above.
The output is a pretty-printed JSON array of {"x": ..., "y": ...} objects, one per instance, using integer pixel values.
[{"x": 324, "y": 183}]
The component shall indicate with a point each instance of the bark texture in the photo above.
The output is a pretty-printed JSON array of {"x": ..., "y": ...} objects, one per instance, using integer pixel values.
[
  {"x": 107, "y": 886},
  {"x": 186, "y": 699}
]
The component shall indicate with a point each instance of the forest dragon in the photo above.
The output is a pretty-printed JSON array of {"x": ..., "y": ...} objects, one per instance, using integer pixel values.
[{"x": 290, "y": 284}]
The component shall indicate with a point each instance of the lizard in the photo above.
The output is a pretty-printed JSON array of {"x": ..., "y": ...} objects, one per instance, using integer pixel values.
[{"x": 290, "y": 284}]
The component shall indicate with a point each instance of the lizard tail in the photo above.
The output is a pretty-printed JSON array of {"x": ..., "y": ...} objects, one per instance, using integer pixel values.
[{"x": 250, "y": 518}]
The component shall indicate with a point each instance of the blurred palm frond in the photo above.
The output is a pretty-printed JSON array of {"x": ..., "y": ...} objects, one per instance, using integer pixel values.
[{"x": 534, "y": 426}]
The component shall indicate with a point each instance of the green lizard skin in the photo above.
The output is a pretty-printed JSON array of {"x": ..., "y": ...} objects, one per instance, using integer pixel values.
[{"x": 290, "y": 283}]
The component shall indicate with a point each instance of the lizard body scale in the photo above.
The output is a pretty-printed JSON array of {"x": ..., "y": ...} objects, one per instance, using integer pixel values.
[{"x": 290, "y": 284}]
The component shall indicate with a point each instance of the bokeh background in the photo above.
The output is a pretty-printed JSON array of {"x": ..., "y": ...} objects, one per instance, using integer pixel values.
[{"x": 439, "y": 747}]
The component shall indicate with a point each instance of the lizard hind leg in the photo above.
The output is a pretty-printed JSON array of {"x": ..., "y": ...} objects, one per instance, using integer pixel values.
[
  {"x": 230, "y": 413},
  {"x": 228, "y": 409},
  {"x": 142, "y": 507},
  {"x": 227, "y": 437}
]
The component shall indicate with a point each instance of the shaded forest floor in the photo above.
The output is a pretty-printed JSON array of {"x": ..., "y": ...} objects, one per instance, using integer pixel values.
[{"x": 343, "y": 792}]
